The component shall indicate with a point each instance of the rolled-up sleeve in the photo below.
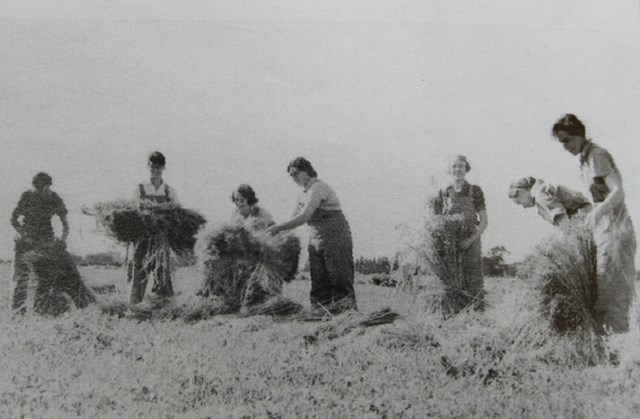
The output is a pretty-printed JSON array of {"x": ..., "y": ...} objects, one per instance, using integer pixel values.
[
  {"x": 478, "y": 198},
  {"x": 549, "y": 206}
]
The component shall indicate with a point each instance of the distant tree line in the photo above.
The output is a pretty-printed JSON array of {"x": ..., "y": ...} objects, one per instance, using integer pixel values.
[
  {"x": 493, "y": 263},
  {"x": 114, "y": 259},
  {"x": 380, "y": 265},
  {"x": 99, "y": 259}
]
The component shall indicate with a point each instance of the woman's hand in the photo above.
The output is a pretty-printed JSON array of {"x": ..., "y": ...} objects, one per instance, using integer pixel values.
[
  {"x": 273, "y": 230},
  {"x": 593, "y": 217},
  {"x": 20, "y": 230}
]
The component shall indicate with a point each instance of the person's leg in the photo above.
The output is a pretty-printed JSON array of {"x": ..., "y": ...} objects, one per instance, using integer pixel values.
[
  {"x": 140, "y": 273},
  {"x": 321, "y": 286},
  {"x": 339, "y": 266},
  {"x": 21, "y": 279},
  {"x": 616, "y": 247},
  {"x": 162, "y": 285},
  {"x": 473, "y": 276}
]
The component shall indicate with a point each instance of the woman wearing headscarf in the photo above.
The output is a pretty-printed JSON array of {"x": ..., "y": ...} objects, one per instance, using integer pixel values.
[
  {"x": 609, "y": 220},
  {"x": 554, "y": 203},
  {"x": 330, "y": 244},
  {"x": 465, "y": 203}
]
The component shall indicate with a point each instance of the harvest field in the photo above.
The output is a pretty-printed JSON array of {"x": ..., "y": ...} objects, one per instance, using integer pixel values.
[{"x": 500, "y": 363}]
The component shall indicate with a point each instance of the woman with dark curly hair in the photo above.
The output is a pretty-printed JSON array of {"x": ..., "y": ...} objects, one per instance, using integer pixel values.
[
  {"x": 554, "y": 203},
  {"x": 248, "y": 213},
  {"x": 612, "y": 228},
  {"x": 330, "y": 243}
]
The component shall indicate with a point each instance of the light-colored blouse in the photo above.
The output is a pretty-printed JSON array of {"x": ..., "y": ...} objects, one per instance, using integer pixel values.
[
  {"x": 595, "y": 164},
  {"x": 150, "y": 191},
  {"x": 258, "y": 219},
  {"x": 553, "y": 202},
  {"x": 318, "y": 191}
]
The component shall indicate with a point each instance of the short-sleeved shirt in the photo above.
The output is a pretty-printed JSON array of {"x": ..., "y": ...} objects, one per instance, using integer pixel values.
[
  {"x": 151, "y": 193},
  {"x": 328, "y": 198},
  {"x": 467, "y": 190},
  {"x": 552, "y": 202},
  {"x": 258, "y": 219},
  {"x": 595, "y": 164},
  {"x": 37, "y": 211}
]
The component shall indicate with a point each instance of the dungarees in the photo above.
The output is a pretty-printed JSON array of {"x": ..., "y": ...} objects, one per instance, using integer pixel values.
[
  {"x": 468, "y": 263},
  {"x": 615, "y": 241},
  {"x": 331, "y": 260},
  {"x": 141, "y": 269}
]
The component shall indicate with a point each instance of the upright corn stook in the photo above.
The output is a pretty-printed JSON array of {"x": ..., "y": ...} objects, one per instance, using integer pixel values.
[
  {"x": 246, "y": 269},
  {"x": 564, "y": 268}
]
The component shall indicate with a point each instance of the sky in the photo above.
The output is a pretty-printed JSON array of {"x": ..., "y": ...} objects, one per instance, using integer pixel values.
[{"x": 376, "y": 94}]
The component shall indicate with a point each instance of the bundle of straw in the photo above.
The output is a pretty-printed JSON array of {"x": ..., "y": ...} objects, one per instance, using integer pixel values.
[
  {"x": 129, "y": 224},
  {"x": 338, "y": 326},
  {"x": 58, "y": 280},
  {"x": 121, "y": 220},
  {"x": 278, "y": 306},
  {"x": 190, "y": 311},
  {"x": 564, "y": 266},
  {"x": 248, "y": 268},
  {"x": 439, "y": 249}
]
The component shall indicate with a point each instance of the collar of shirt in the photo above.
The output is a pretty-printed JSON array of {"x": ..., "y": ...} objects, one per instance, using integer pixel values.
[
  {"x": 586, "y": 150},
  {"x": 149, "y": 189},
  {"x": 463, "y": 188},
  {"x": 310, "y": 184}
]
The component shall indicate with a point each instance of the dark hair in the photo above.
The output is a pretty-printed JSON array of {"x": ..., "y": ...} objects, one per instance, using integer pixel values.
[
  {"x": 41, "y": 178},
  {"x": 570, "y": 124},
  {"x": 462, "y": 158},
  {"x": 303, "y": 165},
  {"x": 246, "y": 192},
  {"x": 157, "y": 158},
  {"x": 525, "y": 183}
]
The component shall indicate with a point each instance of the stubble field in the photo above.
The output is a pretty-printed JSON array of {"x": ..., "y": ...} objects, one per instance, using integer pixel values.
[{"x": 500, "y": 363}]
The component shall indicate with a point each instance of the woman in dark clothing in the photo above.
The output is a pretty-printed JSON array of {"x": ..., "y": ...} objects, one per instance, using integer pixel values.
[
  {"x": 37, "y": 248},
  {"x": 463, "y": 205},
  {"x": 330, "y": 243}
]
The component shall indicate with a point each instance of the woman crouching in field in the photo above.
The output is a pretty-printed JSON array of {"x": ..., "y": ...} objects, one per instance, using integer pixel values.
[
  {"x": 463, "y": 207},
  {"x": 609, "y": 220},
  {"x": 554, "y": 204},
  {"x": 330, "y": 245},
  {"x": 231, "y": 274},
  {"x": 247, "y": 213}
]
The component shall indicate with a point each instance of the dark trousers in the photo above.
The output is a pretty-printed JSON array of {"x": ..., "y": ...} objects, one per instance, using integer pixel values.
[
  {"x": 21, "y": 278},
  {"x": 144, "y": 264},
  {"x": 332, "y": 274}
]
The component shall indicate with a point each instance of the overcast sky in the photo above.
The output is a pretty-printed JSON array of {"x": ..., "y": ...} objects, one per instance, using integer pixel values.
[{"x": 376, "y": 94}]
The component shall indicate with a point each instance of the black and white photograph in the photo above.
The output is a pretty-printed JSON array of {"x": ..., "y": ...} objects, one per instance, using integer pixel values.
[{"x": 323, "y": 209}]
